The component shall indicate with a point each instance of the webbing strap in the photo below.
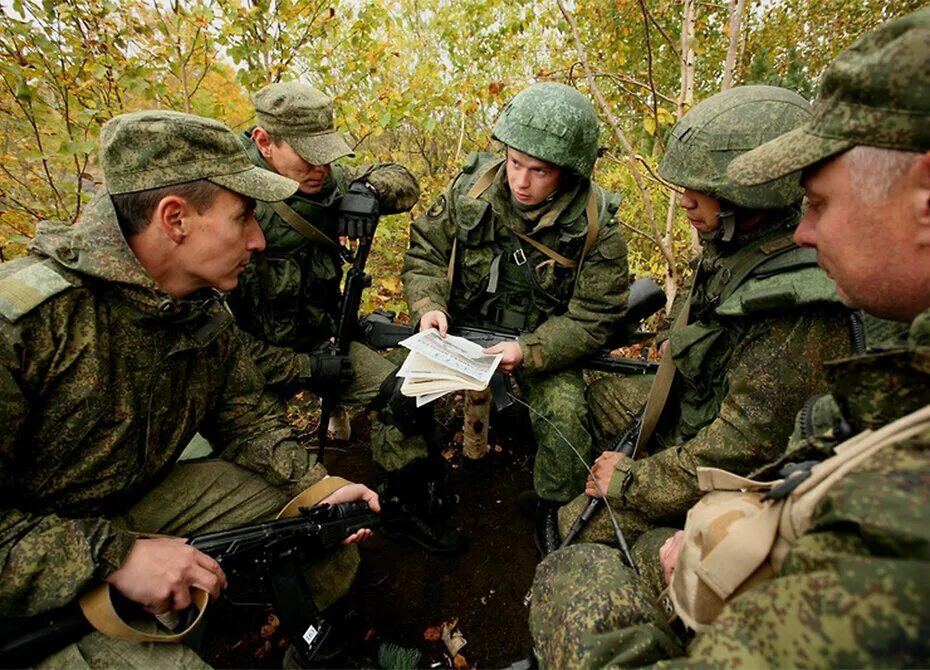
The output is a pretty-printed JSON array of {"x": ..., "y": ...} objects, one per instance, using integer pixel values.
[
  {"x": 304, "y": 227},
  {"x": 662, "y": 386}
]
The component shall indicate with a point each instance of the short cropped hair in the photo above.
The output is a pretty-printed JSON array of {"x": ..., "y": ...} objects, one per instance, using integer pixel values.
[
  {"x": 875, "y": 170},
  {"x": 134, "y": 210}
]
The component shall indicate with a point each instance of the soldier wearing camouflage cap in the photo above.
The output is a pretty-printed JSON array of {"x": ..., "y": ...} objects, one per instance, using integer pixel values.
[
  {"x": 291, "y": 295},
  {"x": 532, "y": 248},
  {"x": 842, "y": 582},
  {"x": 115, "y": 349},
  {"x": 760, "y": 321}
]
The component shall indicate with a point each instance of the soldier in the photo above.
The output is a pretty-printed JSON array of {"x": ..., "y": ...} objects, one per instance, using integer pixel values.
[
  {"x": 290, "y": 296},
  {"x": 115, "y": 348},
  {"x": 759, "y": 323},
  {"x": 845, "y": 582},
  {"x": 530, "y": 246}
]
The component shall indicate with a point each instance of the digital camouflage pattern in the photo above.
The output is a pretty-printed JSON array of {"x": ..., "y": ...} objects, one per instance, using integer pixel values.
[
  {"x": 742, "y": 374},
  {"x": 289, "y": 294},
  {"x": 552, "y": 122},
  {"x": 851, "y": 593},
  {"x": 706, "y": 139},
  {"x": 575, "y": 320},
  {"x": 874, "y": 94},
  {"x": 303, "y": 117},
  {"x": 104, "y": 379},
  {"x": 146, "y": 150}
]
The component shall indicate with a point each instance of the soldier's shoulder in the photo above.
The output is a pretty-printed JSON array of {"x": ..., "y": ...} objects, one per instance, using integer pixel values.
[
  {"x": 477, "y": 161},
  {"x": 27, "y": 283}
]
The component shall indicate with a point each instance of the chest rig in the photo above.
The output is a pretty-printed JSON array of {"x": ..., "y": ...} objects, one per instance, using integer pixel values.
[{"x": 508, "y": 280}]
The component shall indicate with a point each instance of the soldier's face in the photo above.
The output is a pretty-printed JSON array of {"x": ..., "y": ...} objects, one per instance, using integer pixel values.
[
  {"x": 531, "y": 180},
  {"x": 288, "y": 163},
  {"x": 220, "y": 241},
  {"x": 872, "y": 250},
  {"x": 702, "y": 210}
]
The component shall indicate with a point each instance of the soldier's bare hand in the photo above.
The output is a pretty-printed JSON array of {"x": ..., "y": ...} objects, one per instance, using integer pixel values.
[
  {"x": 435, "y": 319},
  {"x": 513, "y": 355},
  {"x": 603, "y": 473},
  {"x": 352, "y": 493},
  {"x": 668, "y": 554},
  {"x": 159, "y": 574}
]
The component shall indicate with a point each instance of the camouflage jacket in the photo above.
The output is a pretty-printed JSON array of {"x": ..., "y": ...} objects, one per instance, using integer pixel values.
[
  {"x": 289, "y": 295},
  {"x": 853, "y": 591},
  {"x": 763, "y": 321},
  {"x": 104, "y": 379},
  {"x": 500, "y": 282}
]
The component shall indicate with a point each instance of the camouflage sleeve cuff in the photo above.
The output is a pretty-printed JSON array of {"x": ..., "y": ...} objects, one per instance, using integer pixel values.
[
  {"x": 623, "y": 475},
  {"x": 316, "y": 473},
  {"x": 422, "y": 306},
  {"x": 531, "y": 347},
  {"x": 112, "y": 553},
  {"x": 303, "y": 367}
]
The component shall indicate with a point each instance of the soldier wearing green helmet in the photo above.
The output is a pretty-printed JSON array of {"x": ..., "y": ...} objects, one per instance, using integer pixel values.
[
  {"x": 761, "y": 318},
  {"x": 526, "y": 243},
  {"x": 821, "y": 560}
]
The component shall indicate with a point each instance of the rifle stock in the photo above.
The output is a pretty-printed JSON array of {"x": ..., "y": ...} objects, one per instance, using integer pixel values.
[{"x": 263, "y": 563}]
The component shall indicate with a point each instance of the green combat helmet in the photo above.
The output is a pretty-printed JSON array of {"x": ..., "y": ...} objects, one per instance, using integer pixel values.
[
  {"x": 705, "y": 140},
  {"x": 551, "y": 122}
]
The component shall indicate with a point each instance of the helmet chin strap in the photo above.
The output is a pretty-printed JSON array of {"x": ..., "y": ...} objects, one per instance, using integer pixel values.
[{"x": 727, "y": 228}]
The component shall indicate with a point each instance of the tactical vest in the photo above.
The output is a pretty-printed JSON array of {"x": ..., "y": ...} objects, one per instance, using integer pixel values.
[
  {"x": 289, "y": 294},
  {"x": 766, "y": 277},
  {"x": 501, "y": 281},
  {"x": 739, "y": 534}
]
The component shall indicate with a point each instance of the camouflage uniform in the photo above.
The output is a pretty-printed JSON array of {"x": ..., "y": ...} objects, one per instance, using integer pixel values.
[
  {"x": 851, "y": 593},
  {"x": 763, "y": 319},
  {"x": 290, "y": 294},
  {"x": 852, "y": 589},
  {"x": 562, "y": 314},
  {"x": 104, "y": 378}
]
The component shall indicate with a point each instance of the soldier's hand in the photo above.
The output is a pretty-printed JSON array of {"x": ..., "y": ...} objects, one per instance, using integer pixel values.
[
  {"x": 328, "y": 370},
  {"x": 351, "y": 493},
  {"x": 160, "y": 572},
  {"x": 603, "y": 473},
  {"x": 512, "y": 355},
  {"x": 358, "y": 212},
  {"x": 435, "y": 319},
  {"x": 668, "y": 554}
]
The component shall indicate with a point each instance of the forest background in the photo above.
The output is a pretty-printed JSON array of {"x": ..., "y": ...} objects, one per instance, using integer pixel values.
[{"x": 418, "y": 82}]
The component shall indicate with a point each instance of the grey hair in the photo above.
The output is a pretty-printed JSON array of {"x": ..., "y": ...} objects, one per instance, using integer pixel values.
[{"x": 875, "y": 170}]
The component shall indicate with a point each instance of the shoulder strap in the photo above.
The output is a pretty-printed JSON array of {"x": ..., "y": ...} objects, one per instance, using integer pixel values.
[
  {"x": 304, "y": 227},
  {"x": 26, "y": 289}
]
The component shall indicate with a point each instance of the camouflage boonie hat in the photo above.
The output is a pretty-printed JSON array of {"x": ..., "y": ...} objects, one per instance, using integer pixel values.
[
  {"x": 146, "y": 150},
  {"x": 876, "y": 93},
  {"x": 552, "y": 122},
  {"x": 303, "y": 117}
]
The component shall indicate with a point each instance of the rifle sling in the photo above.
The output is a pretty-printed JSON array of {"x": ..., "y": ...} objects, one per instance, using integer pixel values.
[
  {"x": 662, "y": 386},
  {"x": 304, "y": 227},
  {"x": 97, "y": 607}
]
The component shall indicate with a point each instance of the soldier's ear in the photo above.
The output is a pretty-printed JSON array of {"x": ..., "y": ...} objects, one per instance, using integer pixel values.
[
  {"x": 171, "y": 218},
  {"x": 262, "y": 140},
  {"x": 922, "y": 197}
]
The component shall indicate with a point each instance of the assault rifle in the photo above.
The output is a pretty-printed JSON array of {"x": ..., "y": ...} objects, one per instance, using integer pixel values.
[
  {"x": 646, "y": 298},
  {"x": 357, "y": 280},
  {"x": 263, "y": 563}
]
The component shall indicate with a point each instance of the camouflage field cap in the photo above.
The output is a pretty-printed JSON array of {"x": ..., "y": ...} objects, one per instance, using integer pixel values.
[
  {"x": 552, "y": 122},
  {"x": 146, "y": 150},
  {"x": 303, "y": 117},
  {"x": 724, "y": 126},
  {"x": 876, "y": 93}
]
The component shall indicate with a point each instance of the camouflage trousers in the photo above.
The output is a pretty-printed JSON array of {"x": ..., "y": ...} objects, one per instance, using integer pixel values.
[
  {"x": 591, "y": 610},
  {"x": 198, "y": 497},
  {"x": 391, "y": 447},
  {"x": 559, "y": 424},
  {"x": 612, "y": 403}
]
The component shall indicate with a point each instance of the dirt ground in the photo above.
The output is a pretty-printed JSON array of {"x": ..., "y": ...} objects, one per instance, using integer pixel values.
[{"x": 403, "y": 595}]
